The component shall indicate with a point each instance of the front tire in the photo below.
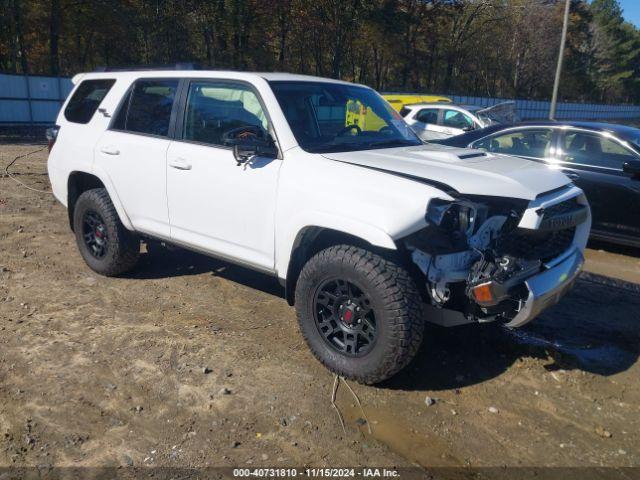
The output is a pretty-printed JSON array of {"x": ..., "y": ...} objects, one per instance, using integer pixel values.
[
  {"x": 104, "y": 243},
  {"x": 360, "y": 314}
]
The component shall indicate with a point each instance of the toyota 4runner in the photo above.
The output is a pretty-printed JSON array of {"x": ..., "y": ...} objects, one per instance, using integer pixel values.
[{"x": 322, "y": 184}]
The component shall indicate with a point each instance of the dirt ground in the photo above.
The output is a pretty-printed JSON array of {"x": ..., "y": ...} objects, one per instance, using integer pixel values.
[{"x": 111, "y": 371}]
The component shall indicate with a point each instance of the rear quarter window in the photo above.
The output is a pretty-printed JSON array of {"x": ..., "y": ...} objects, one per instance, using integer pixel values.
[{"x": 86, "y": 100}]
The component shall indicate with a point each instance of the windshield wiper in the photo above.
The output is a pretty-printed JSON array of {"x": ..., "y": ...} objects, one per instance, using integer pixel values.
[
  {"x": 392, "y": 143},
  {"x": 350, "y": 147},
  {"x": 344, "y": 147}
]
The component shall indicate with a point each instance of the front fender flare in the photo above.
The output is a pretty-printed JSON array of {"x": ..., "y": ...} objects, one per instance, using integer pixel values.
[{"x": 285, "y": 242}]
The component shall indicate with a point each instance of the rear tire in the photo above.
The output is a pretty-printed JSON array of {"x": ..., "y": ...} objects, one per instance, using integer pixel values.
[
  {"x": 360, "y": 314},
  {"x": 104, "y": 243}
]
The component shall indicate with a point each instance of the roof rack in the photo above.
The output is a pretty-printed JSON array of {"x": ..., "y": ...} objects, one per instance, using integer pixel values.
[{"x": 175, "y": 66}]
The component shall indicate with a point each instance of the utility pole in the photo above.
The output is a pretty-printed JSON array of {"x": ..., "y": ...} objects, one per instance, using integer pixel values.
[{"x": 556, "y": 82}]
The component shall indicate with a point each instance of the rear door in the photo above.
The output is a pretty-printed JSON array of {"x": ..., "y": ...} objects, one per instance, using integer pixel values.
[
  {"x": 594, "y": 162},
  {"x": 133, "y": 152},
  {"x": 424, "y": 121}
]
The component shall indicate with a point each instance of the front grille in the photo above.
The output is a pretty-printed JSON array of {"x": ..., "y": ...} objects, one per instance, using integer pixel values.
[
  {"x": 560, "y": 208},
  {"x": 542, "y": 245},
  {"x": 535, "y": 245}
]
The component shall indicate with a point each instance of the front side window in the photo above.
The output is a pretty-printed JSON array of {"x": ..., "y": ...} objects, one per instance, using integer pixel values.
[
  {"x": 595, "y": 150},
  {"x": 428, "y": 115},
  {"x": 335, "y": 117},
  {"x": 217, "y": 112},
  {"x": 456, "y": 119},
  {"x": 86, "y": 100},
  {"x": 525, "y": 143},
  {"x": 147, "y": 109}
]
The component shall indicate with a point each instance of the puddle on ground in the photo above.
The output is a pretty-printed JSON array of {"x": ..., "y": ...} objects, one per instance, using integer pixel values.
[
  {"x": 420, "y": 448},
  {"x": 597, "y": 325},
  {"x": 594, "y": 356}
]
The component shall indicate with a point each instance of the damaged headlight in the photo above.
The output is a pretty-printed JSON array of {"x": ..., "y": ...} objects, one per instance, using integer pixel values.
[{"x": 455, "y": 216}]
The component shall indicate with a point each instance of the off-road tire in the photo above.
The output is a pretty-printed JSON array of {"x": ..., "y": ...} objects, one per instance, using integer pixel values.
[
  {"x": 395, "y": 300},
  {"x": 123, "y": 246}
]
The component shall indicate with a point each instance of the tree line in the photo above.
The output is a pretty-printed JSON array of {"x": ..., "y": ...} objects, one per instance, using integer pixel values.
[{"x": 498, "y": 48}]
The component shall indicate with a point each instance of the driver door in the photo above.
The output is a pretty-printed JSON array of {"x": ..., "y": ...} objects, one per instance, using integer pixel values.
[
  {"x": 216, "y": 205},
  {"x": 455, "y": 122}
]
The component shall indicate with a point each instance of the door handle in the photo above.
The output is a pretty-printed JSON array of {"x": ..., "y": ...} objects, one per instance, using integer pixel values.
[
  {"x": 110, "y": 150},
  {"x": 179, "y": 164},
  {"x": 572, "y": 176}
]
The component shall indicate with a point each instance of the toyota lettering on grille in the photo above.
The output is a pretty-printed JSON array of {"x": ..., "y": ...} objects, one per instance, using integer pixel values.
[{"x": 564, "y": 220}]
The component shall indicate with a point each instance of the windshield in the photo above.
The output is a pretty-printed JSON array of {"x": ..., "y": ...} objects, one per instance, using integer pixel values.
[
  {"x": 333, "y": 117},
  {"x": 632, "y": 135}
]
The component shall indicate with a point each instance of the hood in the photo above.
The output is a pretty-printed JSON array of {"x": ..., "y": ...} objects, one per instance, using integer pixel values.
[
  {"x": 504, "y": 112},
  {"x": 467, "y": 171}
]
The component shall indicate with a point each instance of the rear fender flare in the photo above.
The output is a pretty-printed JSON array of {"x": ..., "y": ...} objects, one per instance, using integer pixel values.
[{"x": 113, "y": 194}]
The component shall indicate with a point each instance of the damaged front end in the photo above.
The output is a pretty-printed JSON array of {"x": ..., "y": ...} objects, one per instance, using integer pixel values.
[{"x": 488, "y": 258}]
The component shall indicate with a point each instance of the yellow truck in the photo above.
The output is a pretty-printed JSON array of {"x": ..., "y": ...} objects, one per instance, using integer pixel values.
[
  {"x": 358, "y": 114},
  {"x": 399, "y": 100},
  {"x": 363, "y": 117}
]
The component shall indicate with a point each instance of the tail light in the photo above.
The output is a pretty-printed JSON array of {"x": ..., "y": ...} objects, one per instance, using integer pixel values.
[{"x": 52, "y": 134}]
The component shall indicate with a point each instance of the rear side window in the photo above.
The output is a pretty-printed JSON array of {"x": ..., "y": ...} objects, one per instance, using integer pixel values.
[
  {"x": 86, "y": 100},
  {"x": 428, "y": 115},
  {"x": 147, "y": 108}
]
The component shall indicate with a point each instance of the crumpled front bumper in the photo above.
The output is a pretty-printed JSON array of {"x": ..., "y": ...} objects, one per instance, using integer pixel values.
[{"x": 546, "y": 288}]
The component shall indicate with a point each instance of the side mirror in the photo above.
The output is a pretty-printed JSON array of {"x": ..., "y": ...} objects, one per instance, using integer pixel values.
[
  {"x": 244, "y": 151},
  {"x": 248, "y": 142},
  {"x": 469, "y": 128},
  {"x": 632, "y": 167}
]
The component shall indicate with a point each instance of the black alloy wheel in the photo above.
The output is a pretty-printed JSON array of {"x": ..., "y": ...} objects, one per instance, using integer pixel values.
[
  {"x": 94, "y": 233},
  {"x": 345, "y": 318}
]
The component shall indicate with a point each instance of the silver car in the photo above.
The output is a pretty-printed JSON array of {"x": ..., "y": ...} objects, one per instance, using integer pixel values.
[{"x": 434, "y": 121}]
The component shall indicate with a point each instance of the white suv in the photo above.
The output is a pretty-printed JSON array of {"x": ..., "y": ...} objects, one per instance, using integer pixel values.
[{"x": 321, "y": 184}]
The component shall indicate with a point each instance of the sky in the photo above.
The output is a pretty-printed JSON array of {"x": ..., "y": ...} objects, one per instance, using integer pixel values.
[{"x": 631, "y": 11}]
